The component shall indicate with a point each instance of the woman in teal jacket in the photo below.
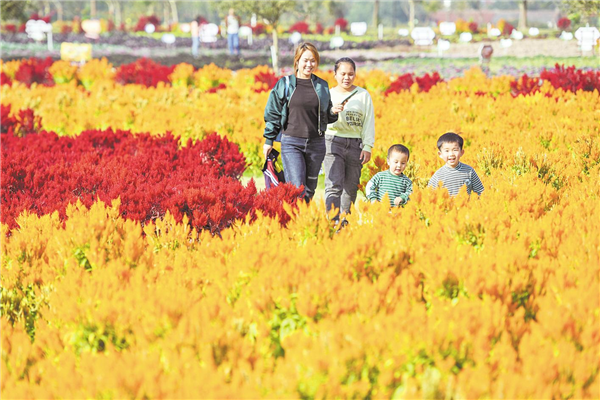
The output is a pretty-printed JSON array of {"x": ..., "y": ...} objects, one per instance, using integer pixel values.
[{"x": 299, "y": 107}]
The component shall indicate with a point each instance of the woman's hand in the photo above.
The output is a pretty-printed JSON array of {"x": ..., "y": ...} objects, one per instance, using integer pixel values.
[
  {"x": 365, "y": 156},
  {"x": 337, "y": 108},
  {"x": 267, "y": 149}
]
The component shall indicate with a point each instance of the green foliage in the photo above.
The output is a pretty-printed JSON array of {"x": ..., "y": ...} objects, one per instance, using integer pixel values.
[
  {"x": 95, "y": 339},
  {"x": 21, "y": 303},
  {"x": 285, "y": 321}
]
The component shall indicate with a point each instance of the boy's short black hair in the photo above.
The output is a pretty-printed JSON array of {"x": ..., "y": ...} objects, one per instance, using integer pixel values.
[
  {"x": 450, "y": 137},
  {"x": 400, "y": 148}
]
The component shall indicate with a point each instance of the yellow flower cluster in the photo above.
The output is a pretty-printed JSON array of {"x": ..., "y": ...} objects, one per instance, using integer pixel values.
[{"x": 497, "y": 297}]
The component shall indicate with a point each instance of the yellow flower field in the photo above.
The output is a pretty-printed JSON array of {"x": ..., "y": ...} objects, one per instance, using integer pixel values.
[{"x": 497, "y": 297}]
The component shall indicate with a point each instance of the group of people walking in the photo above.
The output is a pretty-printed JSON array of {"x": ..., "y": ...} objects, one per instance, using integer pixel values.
[{"x": 335, "y": 128}]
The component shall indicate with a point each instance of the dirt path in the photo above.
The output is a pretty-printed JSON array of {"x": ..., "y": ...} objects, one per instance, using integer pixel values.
[{"x": 519, "y": 48}]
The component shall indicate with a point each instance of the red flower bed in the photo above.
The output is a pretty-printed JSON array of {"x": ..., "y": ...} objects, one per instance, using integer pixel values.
[
  {"x": 35, "y": 70},
  {"x": 404, "y": 82},
  {"x": 572, "y": 79},
  {"x": 569, "y": 79},
  {"x": 44, "y": 173},
  {"x": 143, "y": 72},
  {"x": 300, "y": 27},
  {"x": 5, "y": 79}
]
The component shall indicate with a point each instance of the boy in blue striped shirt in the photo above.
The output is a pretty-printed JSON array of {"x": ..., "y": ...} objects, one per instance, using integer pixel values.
[
  {"x": 454, "y": 174},
  {"x": 393, "y": 182}
]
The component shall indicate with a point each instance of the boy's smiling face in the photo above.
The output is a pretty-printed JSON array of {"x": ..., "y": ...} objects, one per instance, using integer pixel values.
[
  {"x": 397, "y": 162},
  {"x": 451, "y": 154}
]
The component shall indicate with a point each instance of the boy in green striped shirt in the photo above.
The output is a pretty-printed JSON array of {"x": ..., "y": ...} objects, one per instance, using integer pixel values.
[{"x": 393, "y": 181}]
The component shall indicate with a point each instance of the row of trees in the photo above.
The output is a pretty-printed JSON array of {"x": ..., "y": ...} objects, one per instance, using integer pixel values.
[
  {"x": 272, "y": 11},
  {"x": 314, "y": 10}
]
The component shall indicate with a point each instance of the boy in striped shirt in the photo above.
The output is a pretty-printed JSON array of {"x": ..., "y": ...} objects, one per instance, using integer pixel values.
[
  {"x": 393, "y": 181},
  {"x": 454, "y": 174}
]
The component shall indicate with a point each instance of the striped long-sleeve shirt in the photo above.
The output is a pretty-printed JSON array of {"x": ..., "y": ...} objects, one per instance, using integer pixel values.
[
  {"x": 454, "y": 178},
  {"x": 394, "y": 185}
]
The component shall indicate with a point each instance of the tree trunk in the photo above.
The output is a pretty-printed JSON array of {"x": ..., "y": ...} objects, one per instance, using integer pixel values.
[
  {"x": 92, "y": 9},
  {"x": 522, "y": 15},
  {"x": 411, "y": 15},
  {"x": 117, "y": 14},
  {"x": 111, "y": 9},
  {"x": 375, "y": 14},
  {"x": 59, "y": 10},
  {"x": 174, "y": 13},
  {"x": 166, "y": 15},
  {"x": 275, "y": 50}
]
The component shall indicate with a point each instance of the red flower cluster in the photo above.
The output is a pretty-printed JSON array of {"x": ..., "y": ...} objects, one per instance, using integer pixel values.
[
  {"x": 404, "y": 82},
  {"x": 569, "y": 78},
  {"x": 300, "y": 27},
  {"x": 143, "y": 71},
  {"x": 35, "y": 70},
  {"x": 265, "y": 77},
  {"x": 342, "y": 23},
  {"x": 44, "y": 173},
  {"x": 473, "y": 28},
  {"x": 24, "y": 123},
  {"x": 572, "y": 79},
  {"x": 563, "y": 24},
  {"x": 145, "y": 20},
  {"x": 10, "y": 28}
]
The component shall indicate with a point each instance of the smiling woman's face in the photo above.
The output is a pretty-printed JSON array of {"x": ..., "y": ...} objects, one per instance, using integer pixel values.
[
  {"x": 307, "y": 64},
  {"x": 345, "y": 75}
]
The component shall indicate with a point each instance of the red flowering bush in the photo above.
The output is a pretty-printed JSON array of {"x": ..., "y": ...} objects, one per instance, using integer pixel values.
[
  {"x": 300, "y": 27},
  {"x": 572, "y": 79},
  {"x": 404, "y": 82},
  {"x": 319, "y": 28},
  {"x": 66, "y": 29},
  {"x": 45, "y": 18},
  {"x": 427, "y": 81},
  {"x": 44, "y": 173},
  {"x": 507, "y": 29},
  {"x": 145, "y": 20},
  {"x": 5, "y": 79},
  {"x": 342, "y": 23},
  {"x": 268, "y": 77},
  {"x": 143, "y": 71},
  {"x": 569, "y": 79},
  {"x": 564, "y": 24},
  {"x": 35, "y": 70},
  {"x": 10, "y": 28},
  {"x": 473, "y": 28},
  {"x": 524, "y": 86},
  {"x": 259, "y": 29}
]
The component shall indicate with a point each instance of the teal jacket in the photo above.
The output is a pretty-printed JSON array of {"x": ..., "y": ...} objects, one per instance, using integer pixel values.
[{"x": 276, "y": 110}]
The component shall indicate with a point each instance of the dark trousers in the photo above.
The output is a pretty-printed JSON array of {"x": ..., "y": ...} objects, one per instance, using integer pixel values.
[
  {"x": 342, "y": 172},
  {"x": 302, "y": 160}
]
